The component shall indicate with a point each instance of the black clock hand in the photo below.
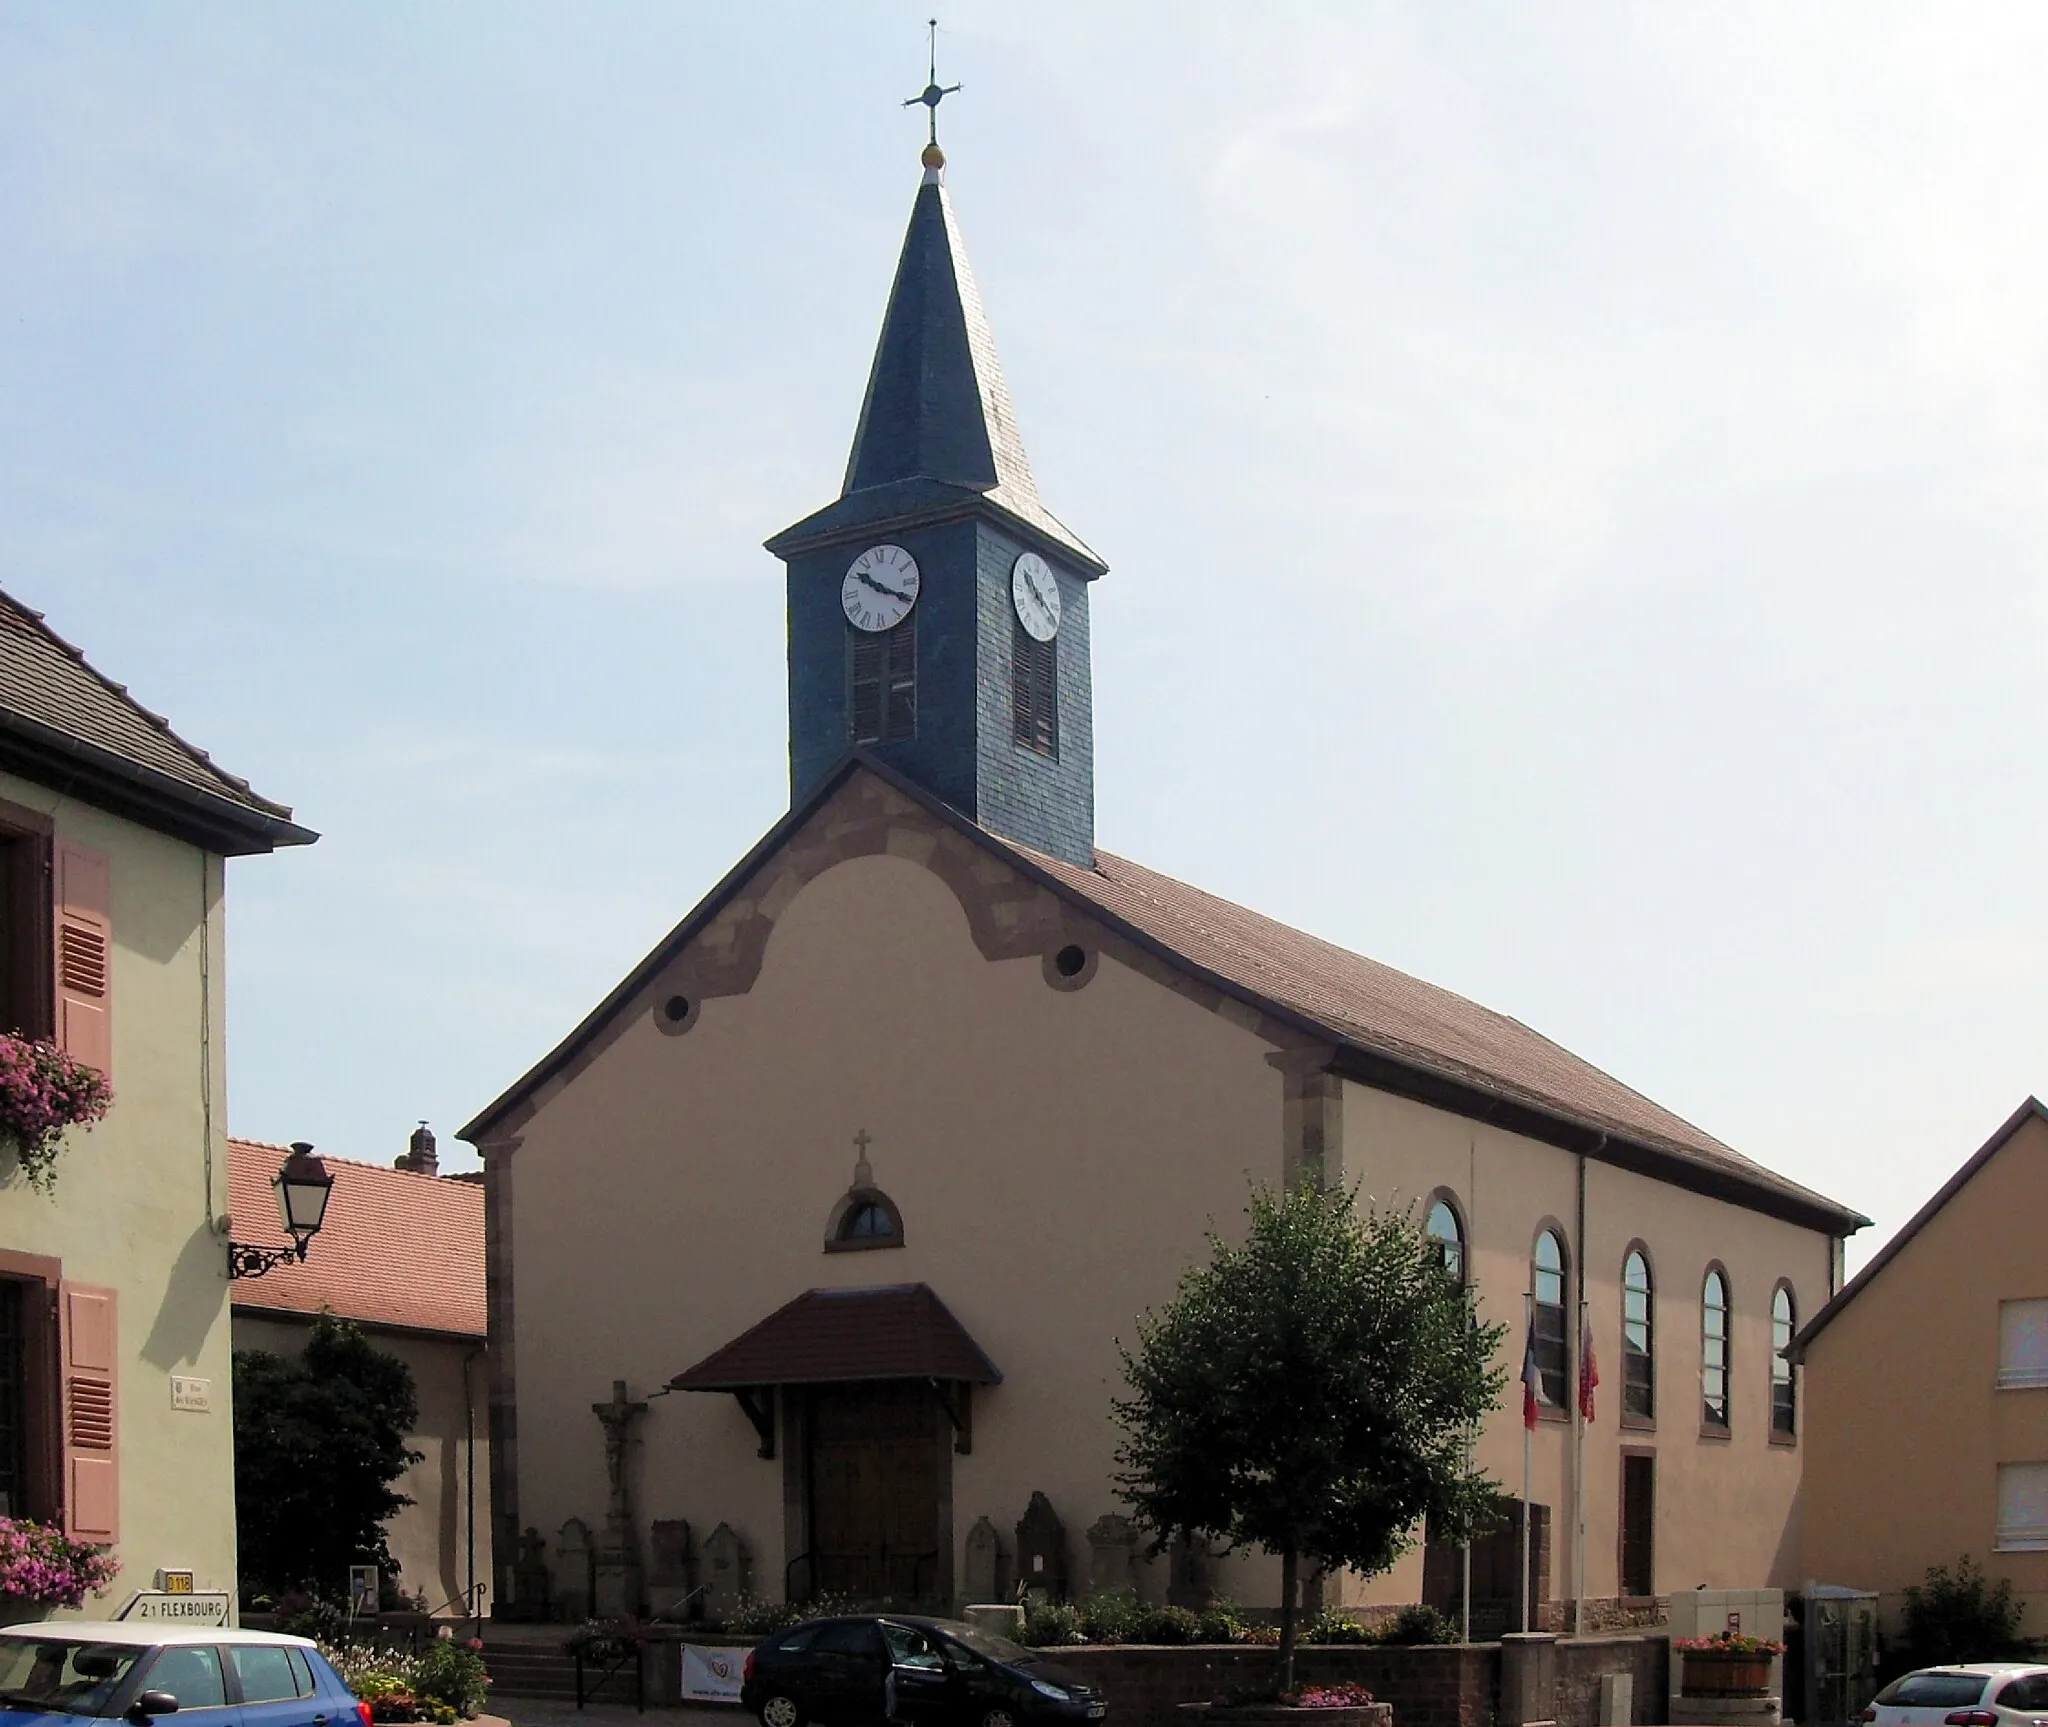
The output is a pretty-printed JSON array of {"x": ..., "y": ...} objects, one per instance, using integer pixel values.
[{"x": 880, "y": 589}]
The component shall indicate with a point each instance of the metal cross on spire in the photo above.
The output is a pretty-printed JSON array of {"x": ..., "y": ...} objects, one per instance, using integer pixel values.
[{"x": 934, "y": 93}]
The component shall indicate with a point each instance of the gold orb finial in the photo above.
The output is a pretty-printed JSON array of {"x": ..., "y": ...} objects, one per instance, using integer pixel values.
[{"x": 933, "y": 156}]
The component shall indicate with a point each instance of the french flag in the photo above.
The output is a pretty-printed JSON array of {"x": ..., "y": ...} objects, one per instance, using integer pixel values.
[{"x": 1532, "y": 1378}]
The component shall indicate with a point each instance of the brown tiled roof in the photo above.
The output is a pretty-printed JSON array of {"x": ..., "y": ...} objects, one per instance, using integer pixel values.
[
  {"x": 1387, "y": 1029},
  {"x": 395, "y": 1248},
  {"x": 55, "y": 706},
  {"x": 1376, "y": 1008},
  {"x": 902, "y": 1331}
]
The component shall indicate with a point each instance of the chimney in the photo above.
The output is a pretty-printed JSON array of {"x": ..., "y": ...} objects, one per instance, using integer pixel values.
[{"x": 420, "y": 1159}]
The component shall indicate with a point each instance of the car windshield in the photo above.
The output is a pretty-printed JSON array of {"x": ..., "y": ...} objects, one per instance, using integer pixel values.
[
  {"x": 61, "y": 1674},
  {"x": 987, "y": 1644},
  {"x": 1933, "y": 1690}
]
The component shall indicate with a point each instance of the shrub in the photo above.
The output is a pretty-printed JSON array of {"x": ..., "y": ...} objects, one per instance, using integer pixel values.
[
  {"x": 452, "y": 1673},
  {"x": 1332, "y": 1626},
  {"x": 756, "y": 1616},
  {"x": 1418, "y": 1623},
  {"x": 1050, "y": 1624},
  {"x": 1166, "y": 1624},
  {"x": 1219, "y": 1623},
  {"x": 371, "y": 1672},
  {"x": 1960, "y": 1615},
  {"x": 1111, "y": 1617}
]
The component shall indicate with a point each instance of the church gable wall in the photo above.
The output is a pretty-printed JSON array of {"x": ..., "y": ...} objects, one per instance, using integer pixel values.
[{"x": 1056, "y": 1154}]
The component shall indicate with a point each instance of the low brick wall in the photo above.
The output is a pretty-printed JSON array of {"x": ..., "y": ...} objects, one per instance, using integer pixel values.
[
  {"x": 1438, "y": 1685},
  {"x": 1429, "y": 1685}
]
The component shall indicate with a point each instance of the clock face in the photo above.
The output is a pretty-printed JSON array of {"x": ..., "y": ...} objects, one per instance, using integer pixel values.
[
  {"x": 1036, "y": 594},
  {"x": 879, "y": 589}
]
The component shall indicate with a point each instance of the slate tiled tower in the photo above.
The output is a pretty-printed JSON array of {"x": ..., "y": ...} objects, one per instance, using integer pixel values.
[{"x": 938, "y": 470}]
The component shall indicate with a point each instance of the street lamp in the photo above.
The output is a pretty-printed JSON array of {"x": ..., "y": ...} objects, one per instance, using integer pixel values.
[{"x": 302, "y": 1186}]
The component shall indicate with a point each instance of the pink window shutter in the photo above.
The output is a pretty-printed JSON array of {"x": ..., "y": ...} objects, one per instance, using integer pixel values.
[
  {"x": 90, "y": 1340},
  {"x": 85, "y": 956}
]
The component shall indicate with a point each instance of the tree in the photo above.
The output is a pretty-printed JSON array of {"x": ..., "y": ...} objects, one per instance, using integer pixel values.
[
  {"x": 318, "y": 1442},
  {"x": 1312, "y": 1392}
]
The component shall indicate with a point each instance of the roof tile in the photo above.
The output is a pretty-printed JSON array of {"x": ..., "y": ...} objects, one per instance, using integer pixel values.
[{"x": 395, "y": 1248}]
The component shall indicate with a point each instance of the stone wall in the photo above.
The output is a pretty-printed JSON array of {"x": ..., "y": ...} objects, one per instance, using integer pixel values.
[
  {"x": 1583, "y": 1661},
  {"x": 1436, "y": 1685}
]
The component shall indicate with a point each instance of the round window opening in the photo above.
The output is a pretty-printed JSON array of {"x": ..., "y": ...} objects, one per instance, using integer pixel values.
[
  {"x": 1069, "y": 961},
  {"x": 868, "y": 1221},
  {"x": 676, "y": 1009}
]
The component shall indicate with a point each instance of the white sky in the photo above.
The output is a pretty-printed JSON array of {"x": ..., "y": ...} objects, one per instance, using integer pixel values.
[{"x": 1573, "y": 480}]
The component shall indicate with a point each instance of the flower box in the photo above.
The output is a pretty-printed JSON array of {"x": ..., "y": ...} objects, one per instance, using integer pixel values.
[
  {"x": 1287, "y": 1715},
  {"x": 1725, "y": 1672}
]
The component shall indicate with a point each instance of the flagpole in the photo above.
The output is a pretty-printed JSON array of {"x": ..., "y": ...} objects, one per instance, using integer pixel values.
[
  {"x": 1579, "y": 1484},
  {"x": 1528, "y": 1450}
]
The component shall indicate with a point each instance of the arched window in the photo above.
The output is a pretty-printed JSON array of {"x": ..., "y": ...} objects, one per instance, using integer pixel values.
[
  {"x": 1714, "y": 1350},
  {"x": 1638, "y": 1339},
  {"x": 1553, "y": 1352},
  {"x": 1784, "y": 1391},
  {"x": 864, "y": 1217},
  {"x": 1447, "y": 1232}
]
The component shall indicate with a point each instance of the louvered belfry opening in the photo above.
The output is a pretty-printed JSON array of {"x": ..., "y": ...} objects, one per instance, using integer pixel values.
[
  {"x": 883, "y": 680},
  {"x": 1034, "y": 691}
]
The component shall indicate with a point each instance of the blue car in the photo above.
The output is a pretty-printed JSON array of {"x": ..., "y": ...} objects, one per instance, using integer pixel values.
[{"x": 92, "y": 1671}]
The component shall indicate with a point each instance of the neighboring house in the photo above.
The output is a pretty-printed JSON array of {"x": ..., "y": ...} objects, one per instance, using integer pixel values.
[
  {"x": 1926, "y": 1384},
  {"x": 874, "y": 1159},
  {"x": 402, "y": 1254},
  {"x": 114, "y": 1373}
]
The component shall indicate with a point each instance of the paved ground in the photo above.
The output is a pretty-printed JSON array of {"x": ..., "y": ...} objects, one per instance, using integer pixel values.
[{"x": 536, "y": 1712}]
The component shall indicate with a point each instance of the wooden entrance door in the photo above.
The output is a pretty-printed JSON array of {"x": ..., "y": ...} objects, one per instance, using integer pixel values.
[
  {"x": 874, "y": 1480},
  {"x": 1638, "y": 1523}
]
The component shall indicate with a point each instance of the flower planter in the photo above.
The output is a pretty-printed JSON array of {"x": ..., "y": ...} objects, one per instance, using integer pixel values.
[
  {"x": 1286, "y": 1715},
  {"x": 14, "y": 1610},
  {"x": 1724, "y": 1673}
]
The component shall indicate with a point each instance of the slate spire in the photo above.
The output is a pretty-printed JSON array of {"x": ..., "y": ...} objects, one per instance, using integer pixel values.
[{"x": 937, "y": 416}]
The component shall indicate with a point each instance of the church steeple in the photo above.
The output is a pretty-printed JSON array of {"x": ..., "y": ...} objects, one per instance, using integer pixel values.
[{"x": 961, "y": 652}]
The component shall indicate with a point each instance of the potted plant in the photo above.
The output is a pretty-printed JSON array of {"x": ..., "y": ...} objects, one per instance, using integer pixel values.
[
  {"x": 42, "y": 1092},
  {"x": 42, "y": 1567},
  {"x": 1728, "y": 1664}
]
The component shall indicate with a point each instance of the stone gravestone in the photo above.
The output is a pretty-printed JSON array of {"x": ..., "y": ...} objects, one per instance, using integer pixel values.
[
  {"x": 575, "y": 1563},
  {"x": 672, "y": 1582},
  {"x": 1191, "y": 1580},
  {"x": 532, "y": 1588},
  {"x": 725, "y": 1571},
  {"x": 985, "y": 1582},
  {"x": 1042, "y": 1550},
  {"x": 1112, "y": 1555}
]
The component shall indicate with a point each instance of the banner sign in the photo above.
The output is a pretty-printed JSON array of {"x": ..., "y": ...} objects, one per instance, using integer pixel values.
[
  {"x": 200, "y": 1607},
  {"x": 712, "y": 1672}
]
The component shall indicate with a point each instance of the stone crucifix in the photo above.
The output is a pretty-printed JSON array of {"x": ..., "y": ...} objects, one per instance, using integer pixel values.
[{"x": 618, "y": 1580}]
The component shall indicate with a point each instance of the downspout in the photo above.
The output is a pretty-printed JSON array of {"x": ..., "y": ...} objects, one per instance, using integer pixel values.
[
  {"x": 1579, "y": 1402},
  {"x": 469, "y": 1593}
]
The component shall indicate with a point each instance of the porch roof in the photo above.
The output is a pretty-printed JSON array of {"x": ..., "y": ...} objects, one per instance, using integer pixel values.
[{"x": 900, "y": 1331}]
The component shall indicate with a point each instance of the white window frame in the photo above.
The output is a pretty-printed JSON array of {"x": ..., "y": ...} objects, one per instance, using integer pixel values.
[
  {"x": 2015, "y": 1535},
  {"x": 2015, "y": 1319}
]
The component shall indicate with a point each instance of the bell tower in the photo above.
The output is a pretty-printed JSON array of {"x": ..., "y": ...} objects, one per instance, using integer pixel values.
[{"x": 938, "y": 612}]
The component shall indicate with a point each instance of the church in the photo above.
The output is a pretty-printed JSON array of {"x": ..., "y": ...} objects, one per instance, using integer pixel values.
[{"x": 810, "y": 1247}]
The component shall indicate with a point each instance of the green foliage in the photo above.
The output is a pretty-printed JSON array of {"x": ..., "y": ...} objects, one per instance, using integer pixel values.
[
  {"x": 1418, "y": 1623},
  {"x": 1311, "y": 1393},
  {"x": 1167, "y": 1624},
  {"x": 452, "y": 1673},
  {"x": 318, "y": 1443},
  {"x": 1051, "y": 1624},
  {"x": 1960, "y": 1615},
  {"x": 1112, "y": 1617},
  {"x": 1219, "y": 1623},
  {"x": 1331, "y": 1626}
]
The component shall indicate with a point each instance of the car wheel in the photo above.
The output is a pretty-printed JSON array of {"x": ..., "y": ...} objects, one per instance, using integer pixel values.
[
  {"x": 781, "y": 1710},
  {"x": 998, "y": 1717}
]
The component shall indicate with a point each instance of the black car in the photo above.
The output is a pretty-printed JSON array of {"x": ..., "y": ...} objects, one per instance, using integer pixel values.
[{"x": 889, "y": 1667}]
